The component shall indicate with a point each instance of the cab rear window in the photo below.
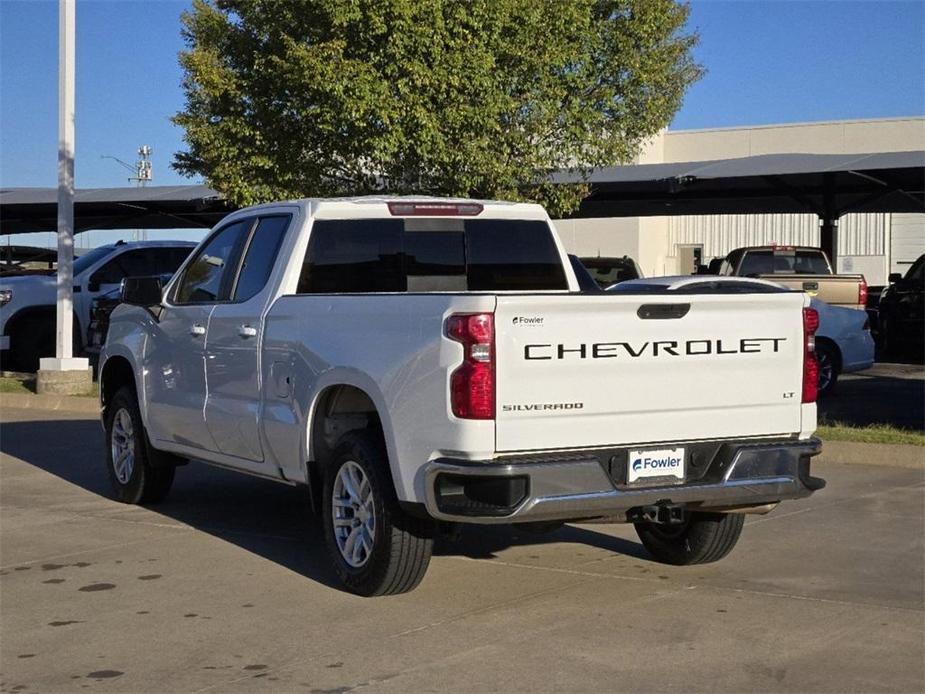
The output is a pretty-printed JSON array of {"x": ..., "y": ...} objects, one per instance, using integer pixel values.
[
  {"x": 430, "y": 255},
  {"x": 784, "y": 262}
]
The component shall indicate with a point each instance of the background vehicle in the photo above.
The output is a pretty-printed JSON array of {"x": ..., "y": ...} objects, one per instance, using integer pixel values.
[
  {"x": 843, "y": 343},
  {"x": 608, "y": 271},
  {"x": 900, "y": 312},
  {"x": 100, "y": 310},
  {"x": 586, "y": 282},
  {"x": 798, "y": 267},
  {"x": 27, "y": 303},
  {"x": 425, "y": 361}
]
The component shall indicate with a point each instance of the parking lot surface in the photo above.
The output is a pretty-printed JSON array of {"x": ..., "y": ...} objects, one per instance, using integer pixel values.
[
  {"x": 885, "y": 394},
  {"x": 225, "y": 588}
]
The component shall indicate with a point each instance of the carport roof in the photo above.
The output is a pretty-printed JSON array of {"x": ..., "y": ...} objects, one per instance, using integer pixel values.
[
  {"x": 829, "y": 185},
  {"x": 153, "y": 207}
]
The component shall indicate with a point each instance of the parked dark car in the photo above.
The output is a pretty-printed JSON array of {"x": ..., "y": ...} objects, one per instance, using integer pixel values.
[
  {"x": 609, "y": 271},
  {"x": 900, "y": 312}
]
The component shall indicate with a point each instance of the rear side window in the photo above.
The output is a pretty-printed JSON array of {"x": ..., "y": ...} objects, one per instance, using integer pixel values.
[
  {"x": 260, "y": 256},
  {"x": 353, "y": 255},
  {"x": 431, "y": 255}
]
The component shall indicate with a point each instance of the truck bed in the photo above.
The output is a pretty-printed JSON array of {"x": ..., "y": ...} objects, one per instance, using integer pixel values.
[{"x": 837, "y": 290}]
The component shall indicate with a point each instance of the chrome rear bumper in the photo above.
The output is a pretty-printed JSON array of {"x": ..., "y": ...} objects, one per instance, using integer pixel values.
[{"x": 577, "y": 485}]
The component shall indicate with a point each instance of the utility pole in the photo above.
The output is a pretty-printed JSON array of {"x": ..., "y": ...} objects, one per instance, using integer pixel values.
[{"x": 63, "y": 373}]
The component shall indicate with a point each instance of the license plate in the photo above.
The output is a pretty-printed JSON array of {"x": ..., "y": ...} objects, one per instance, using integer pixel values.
[{"x": 656, "y": 463}]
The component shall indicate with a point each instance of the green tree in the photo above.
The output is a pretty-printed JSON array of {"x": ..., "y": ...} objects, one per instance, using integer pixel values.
[{"x": 475, "y": 98}]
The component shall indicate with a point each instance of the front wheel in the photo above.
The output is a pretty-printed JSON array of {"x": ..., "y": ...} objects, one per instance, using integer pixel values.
[
  {"x": 137, "y": 473},
  {"x": 376, "y": 548},
  {"x": 703, "y": 538}
]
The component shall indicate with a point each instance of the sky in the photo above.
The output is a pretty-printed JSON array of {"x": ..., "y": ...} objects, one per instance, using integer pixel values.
[{"x": 774, "y": 61}]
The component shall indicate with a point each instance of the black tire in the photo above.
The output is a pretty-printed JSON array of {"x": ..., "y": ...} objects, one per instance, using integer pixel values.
[
  {"x": 151, "y": 474},
  {"x": 702, "y": 539},
  {"x": 829, "y": 362},
  {"x": 32, "y": 340},
  {"x": 401, "y": 543}
]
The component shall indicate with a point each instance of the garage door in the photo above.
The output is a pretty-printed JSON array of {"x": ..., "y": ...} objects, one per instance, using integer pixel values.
[{"x": 907, "y": 240}]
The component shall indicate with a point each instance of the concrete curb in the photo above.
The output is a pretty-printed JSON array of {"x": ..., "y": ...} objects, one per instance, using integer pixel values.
[
  {"x": 63, "y": 403},
  {"x": 886, "y": 454}
]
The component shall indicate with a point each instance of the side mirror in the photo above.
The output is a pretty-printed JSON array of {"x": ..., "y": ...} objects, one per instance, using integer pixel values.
[
  {"x": 895, "y": 277},
  {"x": 142, "y": 291},
  {"x": 93, "y": 286}
]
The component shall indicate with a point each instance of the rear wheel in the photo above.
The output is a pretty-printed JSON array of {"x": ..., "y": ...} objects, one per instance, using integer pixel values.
[
  {"x": 701, "y": 539},
  {"x": 827, "y": 358},
  {"x": 138, "y": 473},
  {"x": 376, "y": 548}
]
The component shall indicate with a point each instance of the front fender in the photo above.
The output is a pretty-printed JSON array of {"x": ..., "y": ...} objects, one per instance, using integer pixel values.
[{"x": 127, "y": 338}]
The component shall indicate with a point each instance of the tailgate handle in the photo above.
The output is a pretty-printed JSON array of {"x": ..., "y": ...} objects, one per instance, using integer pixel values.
[
  {"x": 662, "y": 311},
  {"x": 810, "y": 286}
]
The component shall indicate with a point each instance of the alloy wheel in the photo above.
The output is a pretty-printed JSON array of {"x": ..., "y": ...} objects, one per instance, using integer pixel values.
[
  {"x": 354, "y": 514},
  {"x": 122, "y": 444}
]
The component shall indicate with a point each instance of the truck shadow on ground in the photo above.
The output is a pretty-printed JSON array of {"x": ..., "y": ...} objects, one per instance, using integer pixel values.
[{"x": 269, "y": 519}]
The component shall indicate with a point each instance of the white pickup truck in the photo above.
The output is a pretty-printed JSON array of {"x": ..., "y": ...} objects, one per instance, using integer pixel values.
[{"x": 418, "y": 363}]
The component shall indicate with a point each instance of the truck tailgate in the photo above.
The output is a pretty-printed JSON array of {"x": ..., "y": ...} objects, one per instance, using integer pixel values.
[
  {"x": 579, "y": 371},
  {"x": 837, "y": 290}
]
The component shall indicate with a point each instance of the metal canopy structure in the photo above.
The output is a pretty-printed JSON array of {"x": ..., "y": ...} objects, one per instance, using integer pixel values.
[
  {"x": 828, "y": 185},
  {"x": 24, "y": 210}
]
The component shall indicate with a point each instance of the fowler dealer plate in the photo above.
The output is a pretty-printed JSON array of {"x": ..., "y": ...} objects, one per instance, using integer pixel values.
[{"x": 661, "y": 462}]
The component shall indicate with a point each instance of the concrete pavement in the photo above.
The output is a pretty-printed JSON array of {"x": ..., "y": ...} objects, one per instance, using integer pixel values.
[{"x": 225, "y": 588}]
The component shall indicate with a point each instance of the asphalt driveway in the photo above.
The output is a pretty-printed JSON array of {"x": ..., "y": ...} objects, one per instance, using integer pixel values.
[{"x": 226, "y": 588}]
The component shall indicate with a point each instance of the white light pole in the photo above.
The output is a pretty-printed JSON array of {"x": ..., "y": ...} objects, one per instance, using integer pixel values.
[{"x": 63, "y": 373}]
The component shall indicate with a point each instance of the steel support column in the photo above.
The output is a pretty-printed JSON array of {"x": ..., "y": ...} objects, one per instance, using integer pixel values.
[{"x": 828, "y": 227}]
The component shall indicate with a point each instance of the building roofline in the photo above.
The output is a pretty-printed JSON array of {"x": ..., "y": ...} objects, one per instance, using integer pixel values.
[{"x": 802, "y": 124}]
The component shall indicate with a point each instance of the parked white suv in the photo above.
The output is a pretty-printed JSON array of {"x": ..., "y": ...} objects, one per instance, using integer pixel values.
[
  {"x": 27, "y": 302},
  {"x": 415, "y": 361}
]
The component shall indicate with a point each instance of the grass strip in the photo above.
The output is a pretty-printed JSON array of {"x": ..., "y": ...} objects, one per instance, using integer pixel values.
[{"x": 875, "y": 433}]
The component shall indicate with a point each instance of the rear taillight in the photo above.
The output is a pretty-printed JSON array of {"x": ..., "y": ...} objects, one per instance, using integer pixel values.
[
  {"x": 472, "y": 385},
  {"x": 862, "y": 293},
  {"x": 810, "y": 366}
]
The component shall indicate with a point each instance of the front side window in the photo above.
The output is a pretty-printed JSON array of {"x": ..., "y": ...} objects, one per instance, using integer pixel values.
[
  {"x": 83, "y": 263},
  {"x": 429, "y": 255},
  {"x": 208, "y": 277}
]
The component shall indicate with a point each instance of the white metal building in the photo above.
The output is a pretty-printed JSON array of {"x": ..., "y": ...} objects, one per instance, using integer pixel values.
[{"x": 874, "y": 244}]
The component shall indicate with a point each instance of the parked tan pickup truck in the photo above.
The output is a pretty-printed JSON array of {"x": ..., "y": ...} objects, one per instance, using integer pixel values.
[{"x": 799, "y": 267}]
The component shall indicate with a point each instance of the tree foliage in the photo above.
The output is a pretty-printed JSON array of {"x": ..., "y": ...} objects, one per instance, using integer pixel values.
[{"x": 475, "y": 98}]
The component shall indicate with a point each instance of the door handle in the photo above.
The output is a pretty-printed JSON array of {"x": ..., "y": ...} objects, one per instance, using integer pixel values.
[
  {"x": 247, "y": 331},
  {"x": 196, "y": 330}
]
